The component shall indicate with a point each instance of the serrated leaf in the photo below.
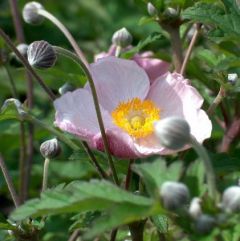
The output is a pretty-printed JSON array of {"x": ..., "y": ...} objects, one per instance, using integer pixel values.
[
  {"x": 155, "y": 173},
  {"x": 213, "y": 14},
  {"x": 161, "y": 222},
  {"x": 78, "y": 196},
  {"x": 122, "y": 214}
]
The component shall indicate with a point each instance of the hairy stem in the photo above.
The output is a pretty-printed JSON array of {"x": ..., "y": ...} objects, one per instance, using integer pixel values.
[
  {"x": 27, "y": 65},
  {"x": 136, "y": 230},
  {"x": 9, "y": 182},
  {"x": 72, "y": 56},
  {"x": 211, "y": 179},
  {"x": 67, "y": 34},
  {"x": 45, "y": 174},
  {"x": 176, "y": 44},
  {"x": 217, "y": 101},
  {"x": 190, "y": 48},
  {"x": 74, "y": 235}
]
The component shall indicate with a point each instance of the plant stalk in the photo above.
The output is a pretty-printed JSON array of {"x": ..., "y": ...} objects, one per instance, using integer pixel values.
[
  {"x": 67, "y": 34},
  {"x": 73, "y": 57},
  {"x": 9, "y": 182},
  {"x": 45, "y": 174}
]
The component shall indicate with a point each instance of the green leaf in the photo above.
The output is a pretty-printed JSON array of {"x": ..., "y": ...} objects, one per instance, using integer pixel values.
[
  {"x": 12, "y": 109},
  {"x": 161, "y": 222},
  {"x": 213, "y": 14},
  {"x": 7, "y": 226},
  {"x": 119, "y": 215},
  {"x": 150, "y": 39},
  {"x": 77, "y": 197},
  {"x": 155, "y": 173}
]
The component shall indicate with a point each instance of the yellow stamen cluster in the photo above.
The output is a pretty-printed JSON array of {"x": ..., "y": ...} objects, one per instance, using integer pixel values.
[{"x": 136, "y": 117}]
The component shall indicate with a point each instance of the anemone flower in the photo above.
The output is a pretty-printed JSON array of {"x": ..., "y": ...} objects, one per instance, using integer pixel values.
[
  {"x": 130, "y": 106},
  {"x": 154, "y": 67}
]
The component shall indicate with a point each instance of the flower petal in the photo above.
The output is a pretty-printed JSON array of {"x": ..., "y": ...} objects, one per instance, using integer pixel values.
[
  {"x": 75, "y": 113},
  {"x": 120, "y": 144},
  {"x": 153, "y": 66},
  {"x": 118, "y": 80}
]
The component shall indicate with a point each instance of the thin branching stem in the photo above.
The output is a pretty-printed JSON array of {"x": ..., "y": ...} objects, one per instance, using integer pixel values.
[
  {"x": 9, "y": 182},
  {"x": 190, "y": 48},
  {"x": 72, "y": 56},
  {"x": 27, "y": 65},
  {"x": 45, "y": 174},
  {"x": 216, "y": 101},
  {"x": 67, "y": 34}
]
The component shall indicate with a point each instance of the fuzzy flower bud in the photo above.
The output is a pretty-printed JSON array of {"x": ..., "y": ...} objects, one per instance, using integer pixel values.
[
  {"x": 231, "y": 199},
  {"x": 170, "y": 13},
  {"x": 30, "y": 13},
  {"x": 205, "y": 224},
  {"x": 50, "y": 148},
  {"x": 195, "y": 209},
  {"x": 152, "y": 11},
  {"x": 232, "y": 78},
  {"x": 173, "y": 132},
  {"x": 122, "y": 38},
  {"x": 66, "y": 88},
  {"x": 41, "y": 55},
  {"x": 175, "y": 195}
]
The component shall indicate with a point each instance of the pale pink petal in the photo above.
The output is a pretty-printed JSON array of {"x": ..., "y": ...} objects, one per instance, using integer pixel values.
[
  {"x": 118, "y": 80},
  {"x": 121, "y": 144},
  {"x": 111, "y": 52},
  {"x": 153, "y": 66},
  {"x": 172, "y": 94},
  {"x": 75, "y": 114}
]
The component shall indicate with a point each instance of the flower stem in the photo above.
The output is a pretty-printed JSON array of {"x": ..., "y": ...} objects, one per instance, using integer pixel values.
[
  {"x": 136, "y": 230},
  {"x": 72, "y": 56},
  {"x": 217, "y": 101},
  {"x": 190, "y": 48},
  {"x": 176, "y": 44},
  {"x": 58, "y": 134},
  {"x": 129, "y": 174},
  {"x": 12, "y": 83},
  {"x": 9, "y": 182},
  {"x": 45, "y": 174},
  {"x": 211, "y": 179},
  {"x": 27, "y": 65},
  {"x": 74, "y": 235},
  {"x": 67, "y": 34}
]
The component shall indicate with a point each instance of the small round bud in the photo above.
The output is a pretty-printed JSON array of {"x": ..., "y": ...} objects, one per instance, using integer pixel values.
[
  {"x": 66, "y": 88},
  {"x": 195, "y": 209},
  {"x": 30, "y": 13},
  {"x": 122, "y": 38},
  {"x": 232, "y": 78},
  {"x": 152, "y": 11},
  {"x": 173, "y": 132},
  {"x": 50, "y": 149},
  {"x": 23, "y": 48},
  {"x": 231, "y": 199},
  {"x": 175, "y": 195},
  {"x": 170, "y": 13},
  {"x": 205, "y": 224},
  {"x": 41, "y": 55}
]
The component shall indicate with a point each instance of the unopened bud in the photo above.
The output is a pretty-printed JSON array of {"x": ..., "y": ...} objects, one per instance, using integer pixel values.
[
  {"x": 22, "y": 48},
  {"x": 195, "y": 209},
  {"x": 30, "y": 13},
  {"x": 50, "y": 149},
  {"x": 232, "y": 78},
  {"x": 173, "y": 132},
  {"x": 231, "y": 199},
  {"x": 205, "y": 224},
  {"x": 122, "y": 38},
  {"x": 41, "y": 55},
  {"x": 152, "y": 11},
  {"x": 66, "y": 88},
  {"x": 175, "y": 195},
  {"x": 170, "y": 13}
]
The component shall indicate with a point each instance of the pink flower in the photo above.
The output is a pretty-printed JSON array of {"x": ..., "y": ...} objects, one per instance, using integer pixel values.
[
  {"x": 154, "y": 67},
  {"x": 130, "y": 106}
]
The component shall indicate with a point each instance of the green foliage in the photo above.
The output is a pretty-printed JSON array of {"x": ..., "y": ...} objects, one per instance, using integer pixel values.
[
  {"x": 155, "y": 173},
  {"x": 225, "y": 19}
]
